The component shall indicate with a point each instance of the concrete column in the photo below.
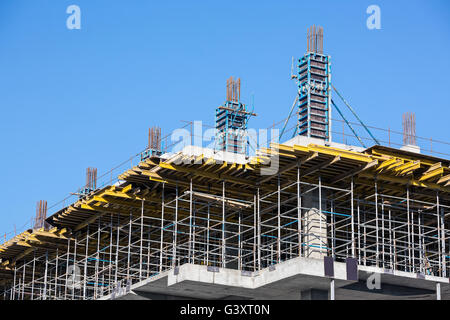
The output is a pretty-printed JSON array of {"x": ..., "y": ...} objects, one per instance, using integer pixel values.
[
  {"x": 315, "y": 228},
  {"x": 438, "y": 291},
  {"x": 332, "y": 291}
]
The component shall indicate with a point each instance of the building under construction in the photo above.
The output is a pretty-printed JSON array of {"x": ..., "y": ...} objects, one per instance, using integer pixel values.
[{"x": 330, "y": 219}]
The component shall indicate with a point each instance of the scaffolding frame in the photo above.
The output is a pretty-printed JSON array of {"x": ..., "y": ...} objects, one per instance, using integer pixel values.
[{"x": 300, "y": 218}]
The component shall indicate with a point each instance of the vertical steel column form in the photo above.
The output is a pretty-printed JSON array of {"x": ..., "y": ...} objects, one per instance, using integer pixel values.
[
  {"x": 85, "y": 263},
  {"x": 299, "y": 212},
  {"x": 142, "y": 238},
  {"x": 67, "y": 268},
  {"x": 97, "y": 261},
  {"x": 412, "y": 242},
  {"x": 279, "y": 222},
  {"x": 190, "y": 221},
  {"x": 441, "y": 230},
  {"x": 13, "y": 289},
  {"x": 174, "y": 259},
  {"x": 193, "y": 231},
  {"x": 330, "y": 116},
  {"x": 409, "y": 229},
  {"x": 149, "y": 252},
  {"x": 110, "y": 252},
  {"x": 444, "y": 267},
  {"x": 390, "y": 241},
  {"x": 45, "y": 276},
  {"x": 19, "y": 288},
  {"x": 394, "y": 245},
  {"x": 56, "y": 275},
  {"x": 419, "y": 235},
  {"x": 359, "y": 232},
  {"x": 382, "y": 232},
  {"x": 259, "y": 232},
  {"x": 255, "y": 232},
  {"x": 207, "y": 236},
  {"x": 309, "y": 98},
  {"x": 424, "y": 258},
  {"x": 239, "y": 241},
  {"x": 23, "y": 280},
  {"x": 129, "y": 247},
  {"x": 365, "y": 235},
  {"x": 32, "y": 275},
  {"x": 117, "y": 250},
  {"x": 320, "y": 212},
  {"x": 223, "y": 224},
  {"x": 74, "y": 263},
  {"x": 162, "y": 229},
  {"x": 352, "y": 219},
  {"x": 376, "y": 225},
  {"x": 333, "y": 228}
]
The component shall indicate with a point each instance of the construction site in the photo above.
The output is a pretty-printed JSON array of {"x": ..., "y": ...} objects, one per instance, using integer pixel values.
[{"x": 302, "y": 217}]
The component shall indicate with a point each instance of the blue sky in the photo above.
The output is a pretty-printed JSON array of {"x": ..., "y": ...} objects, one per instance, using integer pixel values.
[{"x": 77, "y": 98}]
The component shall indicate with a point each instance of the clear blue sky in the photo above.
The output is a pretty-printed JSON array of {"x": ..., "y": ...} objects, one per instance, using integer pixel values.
[{"x": 71, "y": 99}]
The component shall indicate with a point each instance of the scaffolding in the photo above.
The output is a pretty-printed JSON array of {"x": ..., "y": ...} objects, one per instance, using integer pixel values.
[{"x": 383, "y": 207}]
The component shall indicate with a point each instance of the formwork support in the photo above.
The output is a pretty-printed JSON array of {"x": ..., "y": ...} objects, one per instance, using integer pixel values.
[
  {"x": 223, "y": 225},
  {"x": 352, "y": 220},
  {"x": 245, "y": 232},
  {"x": 162, "y": 228}
]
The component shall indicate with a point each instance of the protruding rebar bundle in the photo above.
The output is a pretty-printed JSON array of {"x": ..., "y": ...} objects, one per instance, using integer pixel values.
[
  {"x": 91, "y": 178},
  {"x": 154, "y": 138},
  {"x": 409, "y": 128},
  {"x": 315, "y": 39},
  {"x": 41, "y": 214},
  {"x": 233, "y": 89}
]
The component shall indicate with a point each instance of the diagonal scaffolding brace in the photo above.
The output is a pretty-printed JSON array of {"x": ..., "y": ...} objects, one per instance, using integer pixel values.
[
  {"x": 348, "y": 123},
  {"x": 356, "y": 116}
]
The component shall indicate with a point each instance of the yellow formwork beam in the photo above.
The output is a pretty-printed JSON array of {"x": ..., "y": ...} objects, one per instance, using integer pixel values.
[
  {"x": 232, "y": 167},
  {"x": 300, "y": 150},
  {"x": 407, "y": 168},
  {"x": 48, "y": 234},
  {"x": 386, "y": 163},
  {"x": 444, "y": 179},
  {"x": 249, "y": 167},
  {"x": 153, "y": 175},
  {"x": 405, "y": 181},
  {"x": 121, "y": 195},
  {"x": 199, "y": 173},
  {"x": 259, "y": 160},
  {"x": 221, "y": 167},
  {"x": 208, "y": 162},
  {"x": 432, "y": 174},
  {"x": 157, "y": 180},
  {"x": 396, "y": 164},
  {"x": 120, "y": 202},
  {"x": 330, "y": 151},
  {"x": 275, "y": 150},
  {"x": 127, "y": 188},
  {"x": 403, "y": 157},
  {"x": 340, "y": 152},
  {"x": 23, "y": 244}
]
